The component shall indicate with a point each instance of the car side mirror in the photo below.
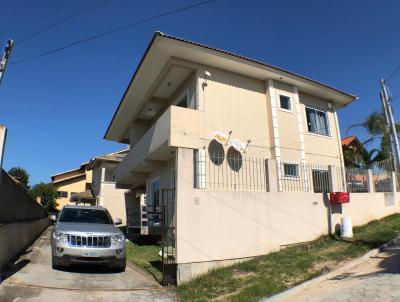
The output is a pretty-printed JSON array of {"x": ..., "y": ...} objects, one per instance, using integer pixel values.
[
  {"x": 118, "y": 221},
  {"x": 52, "y": 217}
]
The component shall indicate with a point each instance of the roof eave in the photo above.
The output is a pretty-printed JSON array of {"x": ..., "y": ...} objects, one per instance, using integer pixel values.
[{"x": 345, "y": 97}]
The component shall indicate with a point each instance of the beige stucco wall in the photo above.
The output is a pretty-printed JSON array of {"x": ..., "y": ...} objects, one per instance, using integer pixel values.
[
  {"x": 320, "y": 149},
  {"x": 220, "y": 225},
  {"x": 114, "y": 200},
  {"x": 164, "y": 174},
  {"x": 231, "y": 102},
  {"x": 106, "y": 193}
]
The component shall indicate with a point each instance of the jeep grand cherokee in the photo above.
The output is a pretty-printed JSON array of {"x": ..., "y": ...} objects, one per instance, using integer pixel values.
[{"x": 87, "y": 235}]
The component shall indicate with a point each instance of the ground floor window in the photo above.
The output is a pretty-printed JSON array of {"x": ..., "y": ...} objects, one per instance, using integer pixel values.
[
  {"x": 290, "y": 170},
  {"x": 199, "y": 157},
  {"x": 320, "y": 181}
]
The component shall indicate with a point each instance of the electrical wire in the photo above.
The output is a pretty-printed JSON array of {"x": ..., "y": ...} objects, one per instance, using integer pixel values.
[
  {"x": 392, "y": 73},
  {"x": 395, "y": 97},
  {"x": 113, "y": 30},
  {"x": 47, "y": 28}
]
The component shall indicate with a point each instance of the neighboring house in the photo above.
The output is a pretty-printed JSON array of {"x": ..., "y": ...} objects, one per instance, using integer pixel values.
[
  {"x": 103, "y": 184},
  {"x": 354, "y": 152},
  {"x": 73, "y": 187},
  {"x": 224, "y": 193}
]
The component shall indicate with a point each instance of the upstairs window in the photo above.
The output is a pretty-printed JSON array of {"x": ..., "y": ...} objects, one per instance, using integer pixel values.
[
  {"x": 285, "y": 102},
  {"x": 317, "y": 121},
  {"x": 62, "y": 194}
]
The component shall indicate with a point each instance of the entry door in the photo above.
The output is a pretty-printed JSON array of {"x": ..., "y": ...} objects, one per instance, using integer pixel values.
[
  {"x": 154, "y": 217},
  {"x": 155, "y": 192}
]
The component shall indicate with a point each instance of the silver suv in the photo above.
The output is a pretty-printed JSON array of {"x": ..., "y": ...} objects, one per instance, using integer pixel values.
[{"x": 87, "y": 235}]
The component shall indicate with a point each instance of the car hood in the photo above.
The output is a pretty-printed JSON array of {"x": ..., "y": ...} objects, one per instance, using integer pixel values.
[{"x": 95, "y": 228}]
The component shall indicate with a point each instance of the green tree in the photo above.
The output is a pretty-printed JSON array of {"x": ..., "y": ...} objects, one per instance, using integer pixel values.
[
  {"x": 21, "y": 175},
  {"x": 375, "y": 125},
  {"x": 47, "y": 193}
]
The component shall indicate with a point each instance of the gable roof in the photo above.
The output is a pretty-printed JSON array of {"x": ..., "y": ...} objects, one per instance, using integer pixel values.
[
  {"x": 81, "y": 168},
  {"x": 162, "y": 47},
  {"x": 114, "y": 157},
  {"x": 349, "y": 140}
]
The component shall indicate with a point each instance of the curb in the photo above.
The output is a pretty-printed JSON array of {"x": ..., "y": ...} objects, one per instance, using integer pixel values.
[{"x": 322, "y": 278}]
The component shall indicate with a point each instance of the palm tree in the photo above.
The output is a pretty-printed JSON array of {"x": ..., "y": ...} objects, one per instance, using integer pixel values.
[{"x": 375, "y": 125}]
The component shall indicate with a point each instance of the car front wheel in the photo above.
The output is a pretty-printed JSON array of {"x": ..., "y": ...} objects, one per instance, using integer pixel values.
[
  {"x": 120, "y": 266},
  {"x": 54, "y": 264}
]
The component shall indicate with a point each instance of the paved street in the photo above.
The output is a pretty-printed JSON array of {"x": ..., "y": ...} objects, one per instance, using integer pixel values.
[
  {"x": 33, "y": 279},
  {"x": 377, "y": 279}
]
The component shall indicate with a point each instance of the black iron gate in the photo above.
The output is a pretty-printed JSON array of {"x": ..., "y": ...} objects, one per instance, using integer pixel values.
[{"x": 168, "y": 242}]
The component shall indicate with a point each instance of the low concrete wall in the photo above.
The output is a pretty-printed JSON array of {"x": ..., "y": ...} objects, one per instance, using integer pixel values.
[
  {"x": 21, "y": 219},
  {"x": 15, "y": 202},
  {"x": 218, "y": 227},
  {"x": 16, "y": 237},
  {"x": 365, "y": 207}
]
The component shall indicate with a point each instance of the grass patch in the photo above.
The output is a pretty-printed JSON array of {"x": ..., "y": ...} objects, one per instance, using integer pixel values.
[
  {"x": 275, "y": 272},
  {"x": 146, "y": 257}
]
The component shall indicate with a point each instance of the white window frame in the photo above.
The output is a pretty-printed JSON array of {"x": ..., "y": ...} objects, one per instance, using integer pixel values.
[
  {"x": 290, "y": 176},
  {"x": 329, "y": 135},
  {"x": 290, "y": 102},
  {"x": 200, "y": 168},
  {"x": 181, "y": 96}
]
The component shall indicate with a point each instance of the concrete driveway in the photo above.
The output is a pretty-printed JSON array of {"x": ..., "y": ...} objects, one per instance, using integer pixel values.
[{"x": 32, "y": 279}]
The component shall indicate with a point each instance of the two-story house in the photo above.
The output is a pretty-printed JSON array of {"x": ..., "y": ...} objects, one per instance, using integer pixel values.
[
  {"x": 73, "y": 186},
  {"x": 236, "y": 151},
  {"x": 104, "y": 189}
]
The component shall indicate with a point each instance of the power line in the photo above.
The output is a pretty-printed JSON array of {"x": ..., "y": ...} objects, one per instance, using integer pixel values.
[
  {"x": 47, "y": 28},
  {"x": 393, "y": 73},
  {"x": 115, "y": 29},
  {"x": 395, "y": 97}
]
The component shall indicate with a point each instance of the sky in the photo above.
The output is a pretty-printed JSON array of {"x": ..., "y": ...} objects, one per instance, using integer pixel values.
[{"x": 57, "y": 107}]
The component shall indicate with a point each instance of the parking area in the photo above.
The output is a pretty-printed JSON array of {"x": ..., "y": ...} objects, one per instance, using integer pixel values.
[{"x": 31, "y": 278}]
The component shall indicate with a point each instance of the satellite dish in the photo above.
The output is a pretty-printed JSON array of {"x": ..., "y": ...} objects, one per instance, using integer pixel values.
[
  {"x": 221, "y": 137},
  {"x": 238, "y": 145}
]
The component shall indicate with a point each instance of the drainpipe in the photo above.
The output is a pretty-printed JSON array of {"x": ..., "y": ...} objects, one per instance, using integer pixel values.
[{"x": 343, "y": 172}]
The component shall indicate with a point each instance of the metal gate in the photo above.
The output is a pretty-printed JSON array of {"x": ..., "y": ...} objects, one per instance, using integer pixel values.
[{"x": 168, "y": 242}]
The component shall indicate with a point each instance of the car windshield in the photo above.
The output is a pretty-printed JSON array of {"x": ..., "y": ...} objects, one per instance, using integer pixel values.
[{"x": 85, "y": 216}]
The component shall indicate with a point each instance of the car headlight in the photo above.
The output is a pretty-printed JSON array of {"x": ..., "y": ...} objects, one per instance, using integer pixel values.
[
  {"x": 61, "y": 237},
  {"x": 117, "y": 240}
]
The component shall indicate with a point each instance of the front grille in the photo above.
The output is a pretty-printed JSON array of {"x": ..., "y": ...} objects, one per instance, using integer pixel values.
[{"x": 89, "y": 241}]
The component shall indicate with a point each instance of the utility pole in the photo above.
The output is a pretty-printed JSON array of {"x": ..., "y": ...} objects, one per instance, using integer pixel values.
[
  {"x": 394, "y": 141},
  {"x": 4, "y": 57},
  {"x": 3, "y": 136}
]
